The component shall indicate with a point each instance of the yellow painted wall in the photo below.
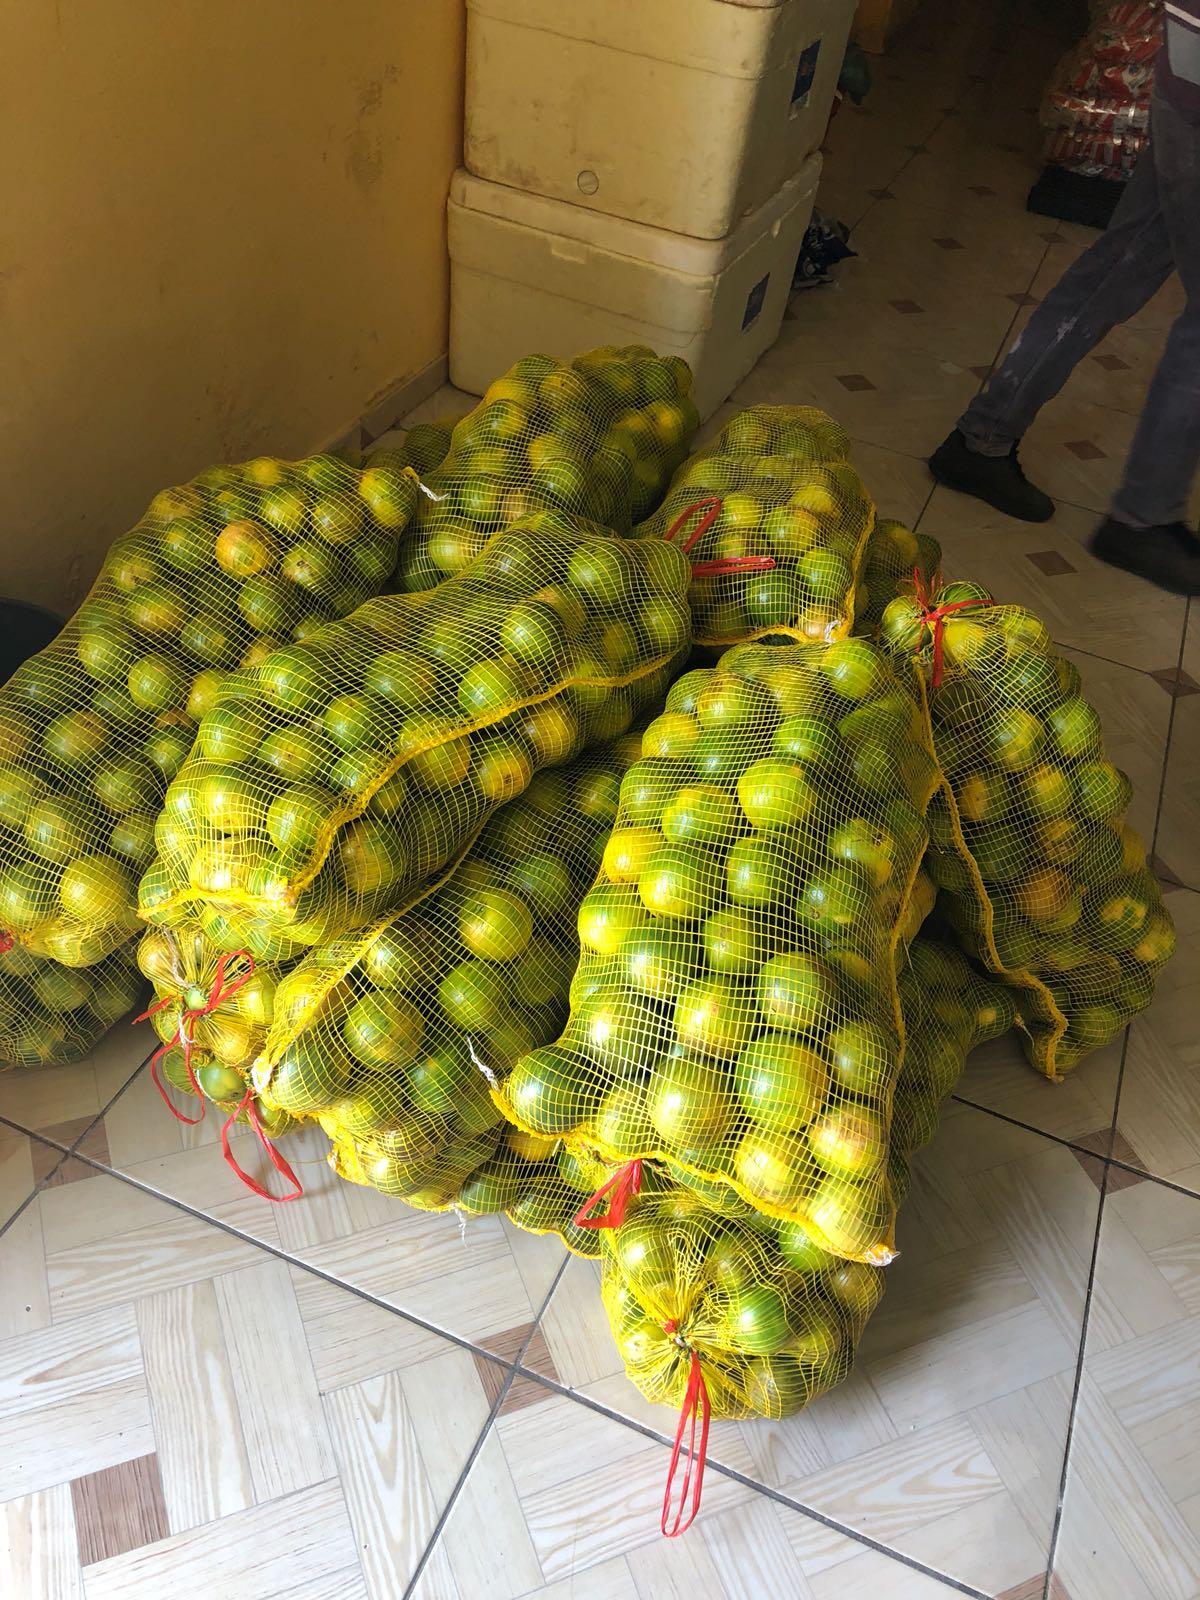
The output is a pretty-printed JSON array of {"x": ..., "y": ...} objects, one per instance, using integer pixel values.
[
  {"x": 877, "y": 20},
  {"x": 222, "y": 232}
]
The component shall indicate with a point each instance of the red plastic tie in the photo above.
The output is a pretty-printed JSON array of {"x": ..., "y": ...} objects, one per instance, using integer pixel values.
[
  {"x": 934, "y": 618},
  {"x": 280, "y": 1163},
  {"x": 217, "y": 995},
  {"x": 696, "y": 1408},
  {"x": 621, "y": 1188},
  {"x": 7, "y": 941},
  {"x": 711, "y": 506}
]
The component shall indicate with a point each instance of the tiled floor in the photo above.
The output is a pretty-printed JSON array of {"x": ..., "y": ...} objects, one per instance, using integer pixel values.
[{"x": 200, "y": 1392}]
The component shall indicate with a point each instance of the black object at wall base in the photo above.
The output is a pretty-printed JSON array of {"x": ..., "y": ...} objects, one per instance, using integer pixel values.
[{"x": 1074, "y": 197}]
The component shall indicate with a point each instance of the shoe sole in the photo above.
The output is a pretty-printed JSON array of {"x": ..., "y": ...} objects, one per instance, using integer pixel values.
[
  {"x": 1159, "y": 582},
  {"x": 948, "y": 481}
]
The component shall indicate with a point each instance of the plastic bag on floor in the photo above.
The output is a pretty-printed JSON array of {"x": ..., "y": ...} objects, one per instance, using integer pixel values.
[
  {"x": 1041, "y": 876},
  {"x": 735, "y": 1010},
  {"x": 51, "y": 1014},
  {"x": 597, "y": 437},
  {"x": 776, "y": 520},
  {"x": 393, "y": 1036},
  {"x": 336, "y": 779},
  {"x": 224, "y": 570}
]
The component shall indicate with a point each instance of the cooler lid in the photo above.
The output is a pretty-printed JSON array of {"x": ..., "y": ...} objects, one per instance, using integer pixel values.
[
  {"x": 678, "y": 252},
  {"x": 729, "y": 37}
]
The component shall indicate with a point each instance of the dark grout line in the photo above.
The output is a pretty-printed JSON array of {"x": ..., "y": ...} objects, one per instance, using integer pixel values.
[
  {"x": 280, "y": 1254},
  {"x": 1031, "y": 1127},
  {"x": 489, "y": 1424},
  {"x": 1056, "y": 1529},
  {"x": 29, "y": 1198},
  {"x": 1152, "y": 851},
  {"x": 724, "y": 1470},
  {"x": 56, "y": 1144}
]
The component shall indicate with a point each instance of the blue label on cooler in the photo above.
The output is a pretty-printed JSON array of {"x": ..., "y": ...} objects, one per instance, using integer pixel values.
[
  {"x": 806, "y": 71},
  {"x": 754, "y": 300}
]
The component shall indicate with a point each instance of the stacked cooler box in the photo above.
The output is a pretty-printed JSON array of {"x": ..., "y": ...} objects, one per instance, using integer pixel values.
[{"x": 637, "y": 171}]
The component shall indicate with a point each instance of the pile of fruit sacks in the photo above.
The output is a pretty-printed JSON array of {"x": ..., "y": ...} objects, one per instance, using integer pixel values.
[{"x": 629, "y": 842}]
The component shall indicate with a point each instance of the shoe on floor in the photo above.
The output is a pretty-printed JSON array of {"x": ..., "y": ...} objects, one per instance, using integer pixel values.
[
  {"x": 997, "y": 479},
  {"x": 1168, "y": 555}
]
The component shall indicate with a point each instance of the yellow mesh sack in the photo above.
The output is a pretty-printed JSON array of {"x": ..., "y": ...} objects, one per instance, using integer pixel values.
[
  {"x": 51, "y": 1014},
  {"x": 423, "y": 447},
  {"x": 535, "y": 1182},
  {"x": 392, "y": 1035},
  {"x": 597, "y": 437},
  {"x": 1042, "y": 878},
  {"x": 223, "y": 570},
  {"x": 735, "y": 1010},
  {"x": 731, "y": 1313},
  {"x": 335, "y": 778},
  {"x": 892, "y": 554},
  {"x": 212, "y": 1011},
  {"x": 776, "y": 520}
]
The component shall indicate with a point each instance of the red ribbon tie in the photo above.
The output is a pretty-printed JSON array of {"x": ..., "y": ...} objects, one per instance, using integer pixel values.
[
  {"x": 280, "y": 1163},
  {"x": 711, "y": 507},
  {"x": 934, "y": 618},
  {"x": 621, "y": 1188},
  {"x": 217, "y": 995},
  {"x": 696, "y": 1408}
]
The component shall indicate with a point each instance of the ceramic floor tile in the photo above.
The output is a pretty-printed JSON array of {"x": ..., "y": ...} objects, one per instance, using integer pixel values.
[
  {"x": 1178, "y": 842},
  {"x": 997, "y": 1076},
  {"x": 946, "y": 1442},
  {"x": 1129, "y": 1525},
  {"x": 1135, "y": 713},
  {"x": 42, "y": 1098},
  {"x": 476, "y": 1278},
  {"x": 169, "y": 1390},
  {"x": 1047, "y": 567},
  {"x": 563, "y": 1503},
  {"x": 911, "y": 395},
  {"x": 1159, "y": 1113}
]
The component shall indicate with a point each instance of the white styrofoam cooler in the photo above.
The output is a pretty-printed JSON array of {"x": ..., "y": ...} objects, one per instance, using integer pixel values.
[
  {"x": 528, "y": 273},
  {"x": 535, "y": 274},
  {"x": 684, "y": 114}
]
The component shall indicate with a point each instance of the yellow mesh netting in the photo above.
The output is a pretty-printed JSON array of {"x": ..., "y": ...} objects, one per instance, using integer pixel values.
[
  {"x": 598, "y": 437},
  {"x": 892, "y": 554},
  {"x": 1040, "y": 874},
  {"x": 332, "y": 780},
  {"x": 53, "y": 1014},
  {"x": 392, "y": 1036},
  {"x": 735, "y": 1009},
  {"x": 775, "y": 490},
  {"x": 223, "y": 570},
  {"x": 770, "y": 1315}
]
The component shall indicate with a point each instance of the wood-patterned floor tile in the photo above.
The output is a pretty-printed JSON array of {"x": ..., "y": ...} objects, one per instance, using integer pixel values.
[
  {"x": 202, "y": 1455},
  {"x": 391, "y": 1507},
  {"x": 39, "y": 1555},
  {"x": 118, "y": 1509},
  {"x": 271, "y": 1551},
  {"x": 1134, "y": 1472},
  {"x": 959, "y": 1403},
  {"x": 282, "y": 1424}
]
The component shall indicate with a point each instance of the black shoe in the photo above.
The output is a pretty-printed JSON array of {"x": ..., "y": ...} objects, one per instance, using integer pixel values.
[
  {"x": 997, "y": 479},
  {"x": 1168, "y": 555}
]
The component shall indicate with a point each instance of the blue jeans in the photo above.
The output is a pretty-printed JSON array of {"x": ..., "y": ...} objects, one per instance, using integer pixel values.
[{"x": 1155, "y": 228}]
